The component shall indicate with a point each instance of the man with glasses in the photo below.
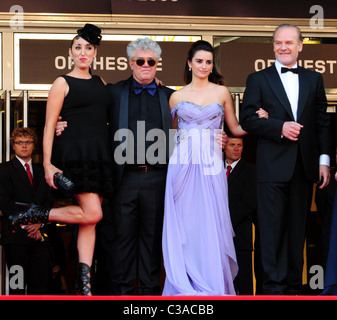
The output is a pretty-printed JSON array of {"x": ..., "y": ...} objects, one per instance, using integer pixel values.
[{"x": 22, "y": 183}]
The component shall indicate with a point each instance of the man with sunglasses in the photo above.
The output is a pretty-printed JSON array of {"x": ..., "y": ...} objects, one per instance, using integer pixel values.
[
  {"x": 132, "y": 242},
  {"x": 22, "y": 182}
]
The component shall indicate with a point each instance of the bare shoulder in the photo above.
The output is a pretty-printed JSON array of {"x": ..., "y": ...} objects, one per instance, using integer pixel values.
[
  {"x": 222, "y": 90},
  {"x": 221, "y": 93},
  {"x": 176, "y": 96},
  {"x": 60, "y": 81},
  {"x": 59, "y": 87}
]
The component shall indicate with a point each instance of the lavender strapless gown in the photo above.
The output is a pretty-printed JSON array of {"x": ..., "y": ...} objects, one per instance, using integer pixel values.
[{"x": 198, "y": 248}]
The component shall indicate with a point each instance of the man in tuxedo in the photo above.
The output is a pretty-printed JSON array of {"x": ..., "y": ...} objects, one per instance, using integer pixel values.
[
  {"x": 140, "y": 122},
  {"x": 242, "y": 206},
  {"x": 292, "y": 154},
  {"x": 22, "y": 182}
]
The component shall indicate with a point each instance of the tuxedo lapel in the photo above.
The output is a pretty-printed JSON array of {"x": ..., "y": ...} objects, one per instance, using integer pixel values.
[
  {"x": 303, "y": 91},
  {"x": 165, "y": 110},
  {"x": 237, "y": 168},
  {"x": 123, "y": 132},
  {"x": 235, "y": 171},
  {"x": 124, "y": 106},
  {"x": 166, "y": 119},
  {"x": 277, "y": 86},
  {"x": 37, "y": 175},
  {"x": 21, "y": 172}
]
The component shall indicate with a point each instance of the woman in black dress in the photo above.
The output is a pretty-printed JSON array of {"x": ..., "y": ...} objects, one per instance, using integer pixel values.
[{"x": 82, "y": 153}]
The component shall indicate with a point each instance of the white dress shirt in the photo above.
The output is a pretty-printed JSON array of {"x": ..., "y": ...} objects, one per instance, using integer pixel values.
[
  {"x": 291, "y": 86},
  {"x": 233, "y": 164},
  {"x": 29, "y": 163}
]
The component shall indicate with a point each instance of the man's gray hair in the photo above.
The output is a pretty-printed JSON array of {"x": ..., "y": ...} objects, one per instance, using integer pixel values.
[{"x": 143, "y": 44}]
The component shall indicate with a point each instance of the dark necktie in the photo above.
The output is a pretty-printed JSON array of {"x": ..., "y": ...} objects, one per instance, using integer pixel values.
[
  {"x": 293, "y": 70},
  {"x": 151, "y": 88},
  {"x": 229, "y": 168},
  {"x": 29, "y": 173}
]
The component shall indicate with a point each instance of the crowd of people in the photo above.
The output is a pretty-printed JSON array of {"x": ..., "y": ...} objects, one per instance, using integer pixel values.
[{"x": 185, "y": 204}]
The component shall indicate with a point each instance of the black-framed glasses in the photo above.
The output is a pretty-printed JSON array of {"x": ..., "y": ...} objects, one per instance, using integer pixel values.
[
  {"x": 20, "y": 143},
  {"x": 150, "y": 61}
]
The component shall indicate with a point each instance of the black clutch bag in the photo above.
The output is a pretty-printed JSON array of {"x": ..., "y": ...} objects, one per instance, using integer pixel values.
[{"x": 63, "y": 183}]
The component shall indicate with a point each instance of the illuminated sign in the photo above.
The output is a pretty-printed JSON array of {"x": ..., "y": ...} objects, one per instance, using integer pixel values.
[
  {"x": 238, "y": 60},
  {"x": 41, "y": 58}
]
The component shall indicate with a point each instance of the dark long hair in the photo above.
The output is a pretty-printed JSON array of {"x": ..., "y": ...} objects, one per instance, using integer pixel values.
[{"x": 214, "y": 76}]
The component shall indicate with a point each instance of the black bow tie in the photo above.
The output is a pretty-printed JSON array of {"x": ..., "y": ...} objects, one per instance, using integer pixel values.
[
  {"x": 284, "y": 70},
  {"x": 151, "y": 88}
]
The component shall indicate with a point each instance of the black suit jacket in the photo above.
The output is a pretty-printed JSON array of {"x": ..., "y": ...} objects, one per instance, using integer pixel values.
[
  {"x": 276, "y": 156},
  {"x": 119, "y": 117},
  {"x": 15, "y": 187},
  {"x": 242, "y": 203}
]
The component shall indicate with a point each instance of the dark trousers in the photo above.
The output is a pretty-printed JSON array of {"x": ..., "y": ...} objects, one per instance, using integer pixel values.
[
  {"x": 137, "y": 219},
  {"x": 330, "y": 279},
  {"x": 244, "y": 280},
  {"x": 282, "y": 211},
  {"x": 33, "y": 260}
]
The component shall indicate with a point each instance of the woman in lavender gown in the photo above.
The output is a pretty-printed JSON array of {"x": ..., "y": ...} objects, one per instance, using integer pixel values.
[{"x": 198, "y": 250}]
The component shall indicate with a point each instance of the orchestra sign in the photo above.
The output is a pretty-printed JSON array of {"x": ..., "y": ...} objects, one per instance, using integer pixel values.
[
  {"x": 40, "y": 59},
  {"x": 238, "y": 60}
]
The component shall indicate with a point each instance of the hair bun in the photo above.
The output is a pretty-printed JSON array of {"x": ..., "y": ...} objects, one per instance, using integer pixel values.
[{"x": 91, "y": 33}]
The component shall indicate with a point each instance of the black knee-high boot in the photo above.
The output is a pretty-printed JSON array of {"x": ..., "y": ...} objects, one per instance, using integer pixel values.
[{"x": 83, "y": 279}]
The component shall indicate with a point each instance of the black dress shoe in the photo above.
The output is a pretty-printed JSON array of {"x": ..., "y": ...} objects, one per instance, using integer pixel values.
[
  {"x": 35, "y": 214},
  {"x": 294, "y": 291}
]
